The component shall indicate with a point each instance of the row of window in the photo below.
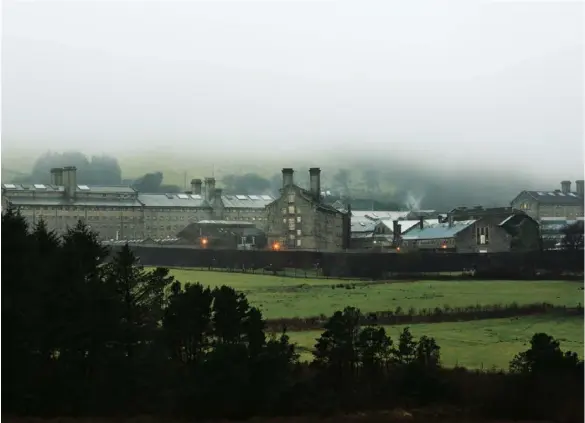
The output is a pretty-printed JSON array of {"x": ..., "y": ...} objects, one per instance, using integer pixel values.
[{"x": 133, "y": 209}]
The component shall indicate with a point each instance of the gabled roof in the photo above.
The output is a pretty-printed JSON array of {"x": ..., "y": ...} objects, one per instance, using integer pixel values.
[
  {"x": 438, "y": 231},
  {"x": 306, "y": 194},
  {"x": 406, "y": 225},
  {"x": 554, "y": 197},
  {"x": 379, "y": 215}
]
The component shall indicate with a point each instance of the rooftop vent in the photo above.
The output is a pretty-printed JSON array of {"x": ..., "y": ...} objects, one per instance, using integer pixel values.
[
  {"x": 83, "y": 187},
  {"x": 241, "y": 197},
  {"x": 183, "y": 196},
  {"x": 40, "y": 186},
  {"x": 254, "y": 197},
  {"x": 266, "y": 197},
  {"x": 9, "y": 186}
]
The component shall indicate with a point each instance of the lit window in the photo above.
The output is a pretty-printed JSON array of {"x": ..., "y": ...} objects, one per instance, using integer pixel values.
[
  {"x": 291, "y": 197},
  {"x": 298, "y": 219},
  {"x": 298, "y": 242},
  {"x": 291, "y": 209},
  {"x": 298, "y": 232}
]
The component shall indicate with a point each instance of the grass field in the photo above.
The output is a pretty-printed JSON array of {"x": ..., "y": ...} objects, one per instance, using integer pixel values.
[
  {"x": 481, "y": 343},
  {"x": 475, "y": 344},
  {"x": 280, "y": 297}
]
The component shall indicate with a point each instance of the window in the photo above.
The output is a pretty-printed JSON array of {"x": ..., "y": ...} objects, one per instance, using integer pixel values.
[
  {"x": 482, "y": 235},
  {"x": 298, "y": 232},
  {"x": 291, "y": 224},
  {"x": 292, "y": 236},
  {"x": 298, "y": 242},
  {"x": 291, "y": 197},
  {"x": 291, "y": 209},
  {"x": 283, "y": 210},
  {"x": 298, "y": 219}
]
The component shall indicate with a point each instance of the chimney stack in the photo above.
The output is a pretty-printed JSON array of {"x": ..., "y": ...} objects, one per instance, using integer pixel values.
[
  {"x": 217, "y": 195},
  {"x": 70, "y": 181},
  {"x": 209, "y": 188},
  {"x": 196, "y": 186},
  {"x": 396, "y": 232},
  {"x": 566, "y": 187},
  {"x": 579, "y": 183},
  {"x": 57, "y": 176},
  {"x": 315, "y": 182},
  {"x": 287, "y": 177},
  {"x": 421, "y": 223}
]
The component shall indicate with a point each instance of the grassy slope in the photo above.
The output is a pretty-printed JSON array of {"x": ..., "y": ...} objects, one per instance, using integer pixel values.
[
  {"x": 291, "y": 297},
  {"x": 481, "y": 343}
]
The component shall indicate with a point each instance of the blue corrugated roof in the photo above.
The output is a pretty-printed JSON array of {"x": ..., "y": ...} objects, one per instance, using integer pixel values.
[{"x": 440, "y": 230}]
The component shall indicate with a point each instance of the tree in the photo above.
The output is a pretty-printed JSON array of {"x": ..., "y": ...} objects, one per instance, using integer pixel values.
[
  {"x": 249, "y": 183},
  {"x": 428, "y": 353},
  {"x": 336, "y": 347},
  {"x": 406, "y": 351},
  {"x": 140, "y": 295},
  {"x": 573, "y": 235},
  {"x": 100, "y": 170},
  {"x": 372, "y": 180},
  {"x": 342, "y": 180},
  {"x": 544, "y": 356},
  {"x": 374, "y": 349},
  {"x": 187, "y": 322}
]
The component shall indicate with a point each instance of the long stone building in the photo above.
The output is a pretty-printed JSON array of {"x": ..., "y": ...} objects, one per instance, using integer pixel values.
[
  {"x": 120, "y": 212},
  {"x": 300, "y": 220},
  {"x": 558, "y": 203}
]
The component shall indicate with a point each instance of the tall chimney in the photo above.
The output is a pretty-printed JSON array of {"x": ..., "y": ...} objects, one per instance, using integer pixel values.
[
  {"x": 70, "y": 181},
  {"x": 287, "y": 177},
  {"x": 196, "y": 186},
  {"x": 315, "y": 182},
  {"x": 217, "y": 195},
  {"x": 421, "y": 222},
  {"x": 579, "y": 188},
  {"x": 56, "y": 176},
  {"x": 209, "y": 188},
  {"x": 566, "y": 187}
]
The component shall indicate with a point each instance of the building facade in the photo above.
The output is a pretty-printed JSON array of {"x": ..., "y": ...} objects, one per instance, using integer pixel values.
[
  {"x": 557, "y": 203},
  {"x": 298, "y": 219},
  {"x": 120, "y": 212},
  {"x": 486, "y": 234}
]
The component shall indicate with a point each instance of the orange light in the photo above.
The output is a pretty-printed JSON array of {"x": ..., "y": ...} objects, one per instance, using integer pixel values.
[
  {"x": 276, "y": 246},
  {"x": 204, "y": 241},
  {"x": 397, "y": 248},
  {"x": 444, "y": 246}
]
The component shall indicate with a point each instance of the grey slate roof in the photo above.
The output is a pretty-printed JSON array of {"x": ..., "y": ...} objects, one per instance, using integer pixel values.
[
  {"x": 246, "y": 201},
  {"x": 362, "y": 226},
  {"x": 173, "y": 200},
  {"x": 406, "y": 225},
  {"x": 60, "y": 201},
  {"x": 438, "y": 231},
  {"x": 555, "y": 197},
  {"x": 98, "y": 189}
]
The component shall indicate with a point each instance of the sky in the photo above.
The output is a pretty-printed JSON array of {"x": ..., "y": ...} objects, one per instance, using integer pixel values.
[{"x": 465, "y": 84}]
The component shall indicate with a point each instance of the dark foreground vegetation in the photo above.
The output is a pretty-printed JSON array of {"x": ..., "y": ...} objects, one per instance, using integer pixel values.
[
  {"x": 86, "y": 337},
  {"x": 431, "y": 315}
]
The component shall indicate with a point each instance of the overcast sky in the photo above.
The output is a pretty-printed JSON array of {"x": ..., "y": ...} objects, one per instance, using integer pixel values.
[{"x": 490, "y": 83}]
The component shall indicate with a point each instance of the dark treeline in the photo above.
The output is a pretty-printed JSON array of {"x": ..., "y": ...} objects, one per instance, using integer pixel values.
[
  {"x": 82, "y": 336},
  {"x": 97, "y": 170}
]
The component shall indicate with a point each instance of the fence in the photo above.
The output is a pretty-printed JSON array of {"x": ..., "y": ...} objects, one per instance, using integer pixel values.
[{"x": 363, "y": 265}]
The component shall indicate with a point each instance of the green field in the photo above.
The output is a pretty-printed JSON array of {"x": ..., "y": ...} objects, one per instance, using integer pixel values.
[
  {"x": 480, "y": 343},
  {"x": 474, "y": 344},
  {"x": 281, "y": 297}
]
